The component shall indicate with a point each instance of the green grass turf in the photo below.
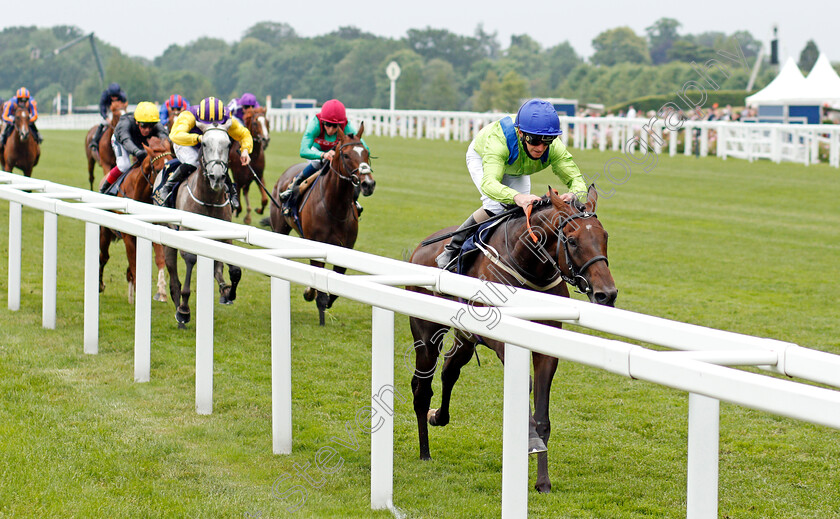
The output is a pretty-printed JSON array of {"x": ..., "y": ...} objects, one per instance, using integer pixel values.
[{"x": 751, "y": 248}]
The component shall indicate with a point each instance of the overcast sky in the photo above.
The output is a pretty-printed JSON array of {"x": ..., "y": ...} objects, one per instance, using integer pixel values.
[{"x": 148, "y": 30}]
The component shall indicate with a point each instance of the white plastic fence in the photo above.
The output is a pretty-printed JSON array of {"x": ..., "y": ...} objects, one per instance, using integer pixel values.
[
  {"x": 701, "y": 366},
  {"x": 773, "y": 141}
]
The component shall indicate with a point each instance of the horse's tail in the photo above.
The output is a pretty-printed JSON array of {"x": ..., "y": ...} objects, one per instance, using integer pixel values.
[{"x": 266, "y": 222}]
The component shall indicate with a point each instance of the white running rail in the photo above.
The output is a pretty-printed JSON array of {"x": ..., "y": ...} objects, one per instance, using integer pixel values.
[{"x": 778, "y": 142}]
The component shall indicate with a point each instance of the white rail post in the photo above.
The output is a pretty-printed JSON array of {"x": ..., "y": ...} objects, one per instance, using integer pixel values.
[
  {"x": 515, "y": 435},
  {"x": 50, "y": 281},
  {"x": 204, "y": 335},
  {"x": 703, "y": 454},
  {"x": 704, "y": 141},
  {"x": 688, "y": 141},
  {"x": 672, "y": 142},
  {"x": 14, "y": 255},
  {"x": 91, "y": 333},
  {"x": 281, "y": 366},
  {"x": 143, "y": 310},
  {"x": 382, "y": 414}
]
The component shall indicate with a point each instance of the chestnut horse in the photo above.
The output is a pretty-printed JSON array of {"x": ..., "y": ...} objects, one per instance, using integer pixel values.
[
  {"x": 574, "y": 252},
  {"x": 328, "y": 210},
  {"x": 138, "y": 185},
  {"x": 105, "y": 155},
  {"x": 257, "y": 123},
  {"x": 204, "y": 192},
  {"x": 21, "y": 150}
]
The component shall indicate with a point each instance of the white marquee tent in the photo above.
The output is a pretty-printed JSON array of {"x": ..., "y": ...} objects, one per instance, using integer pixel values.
[
  {"x": 789, "y": 84},
  {"x": 823, "y": 83},
  {"x": 791, "y": 88}
]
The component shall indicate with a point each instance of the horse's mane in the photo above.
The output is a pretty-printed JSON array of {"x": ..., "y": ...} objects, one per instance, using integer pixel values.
[
  {"x": 156, "y": 143},
  {"x": 544, "y": 204}
]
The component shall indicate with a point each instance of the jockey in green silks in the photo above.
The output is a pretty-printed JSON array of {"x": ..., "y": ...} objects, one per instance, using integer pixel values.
[
  {"x": 501, "y": 159},
  {"x": 318, "y": 144}
]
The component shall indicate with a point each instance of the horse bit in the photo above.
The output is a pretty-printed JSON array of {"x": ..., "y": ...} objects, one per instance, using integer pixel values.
[{"x": 363, "y": 169}]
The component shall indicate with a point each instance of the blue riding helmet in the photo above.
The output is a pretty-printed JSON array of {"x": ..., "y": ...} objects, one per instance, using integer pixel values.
[
  {"x": 538, "y": 117},
  {"x": 114, "y": 89}
]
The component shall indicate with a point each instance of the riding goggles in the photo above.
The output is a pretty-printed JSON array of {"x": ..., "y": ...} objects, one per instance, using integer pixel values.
[
  {"x": 536, "y": 140},
  {"x": 330, "y": 125},
  {"x": 147, "y": 125}
]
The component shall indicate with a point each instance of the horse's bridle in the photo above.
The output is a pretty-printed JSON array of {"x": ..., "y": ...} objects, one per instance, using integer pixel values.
[
  {"x": 152, "y": 161},
  {"x": 28, "y": 115},
  {"x": 352, "y": 177},
  {"x": 263, "y": 138},
  {"x": 575, "y": 277},
  {"x": 205, "y": 164}
]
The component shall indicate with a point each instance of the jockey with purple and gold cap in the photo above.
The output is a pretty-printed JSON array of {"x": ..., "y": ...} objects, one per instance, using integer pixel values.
[
  {"x": 186, "y": 137},
  {"x": 237, "y": 107},
  {"x": 23, "y": 99}
]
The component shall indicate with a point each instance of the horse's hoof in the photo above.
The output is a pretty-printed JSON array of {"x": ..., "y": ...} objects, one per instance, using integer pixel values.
[
  {"x": 309, "y": 294},
  {"x": 259, "y": 211},
  {"x": 247, "y": 220},
  {"x": 543, "y": 488},
  {"x": 430, "y": 417},
  {"x": 159, "y": 297},
  {"x": 225, "y": 301},
  {"x": 182, "y": 317},
  {"x": 536, "y": 445},
  {"x": 182, "y": 326},
  {"x": 427, "y": 457}
]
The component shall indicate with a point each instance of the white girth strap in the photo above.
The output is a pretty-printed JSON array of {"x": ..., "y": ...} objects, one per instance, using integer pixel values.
[{"x": 494, "y": 258}]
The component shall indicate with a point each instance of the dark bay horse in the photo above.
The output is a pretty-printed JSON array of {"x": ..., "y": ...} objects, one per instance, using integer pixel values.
[
  {"x": 204, "y": 193},
  {"x": 257, "y": 123},
  {"x": 105, "y": 155},
  {"x": 328, "y": 210},
  {"x": 138, "y": 185},
  {"x": 576, "y": 244},
  {"x": 21, "y": 150}
]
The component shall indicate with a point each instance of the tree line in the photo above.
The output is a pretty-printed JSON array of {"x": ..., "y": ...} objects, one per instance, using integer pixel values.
[{"x": 441, "y": 70}]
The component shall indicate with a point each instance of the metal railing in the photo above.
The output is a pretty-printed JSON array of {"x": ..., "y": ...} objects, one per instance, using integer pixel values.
[
  {"x": 773, "y": 141},
  {"x": 702, "y": 365}
]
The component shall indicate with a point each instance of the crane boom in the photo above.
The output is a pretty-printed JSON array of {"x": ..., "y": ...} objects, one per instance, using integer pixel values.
[{"x": 95, "y": 53}]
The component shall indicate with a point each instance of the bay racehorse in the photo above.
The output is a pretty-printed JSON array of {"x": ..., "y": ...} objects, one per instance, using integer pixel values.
[
  {"x": 105, "y": 155},
  {"x": 573, "y": 251},
  {"x": 204, "y": 192},
  {"x": 257, "y": 123},
  {"x": 328, "y": 210},
  {"x": 21, "y": 150},
  {"x": 137, "y": 185}
]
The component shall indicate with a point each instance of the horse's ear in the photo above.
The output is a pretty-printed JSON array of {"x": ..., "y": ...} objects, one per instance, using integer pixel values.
[
  {"x": 591, "y": 199},
  {"x": 361, "y": 130},
  {"x": 341, "y": 135},
  {"x": 554, "y": 196}
]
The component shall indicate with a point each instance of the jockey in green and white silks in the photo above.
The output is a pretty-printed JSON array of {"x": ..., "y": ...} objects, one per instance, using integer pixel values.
[{"x": 501, "y": 159}]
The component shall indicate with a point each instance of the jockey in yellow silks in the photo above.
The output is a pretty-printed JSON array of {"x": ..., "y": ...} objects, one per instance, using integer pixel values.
[{"x": 186, "y": 137}]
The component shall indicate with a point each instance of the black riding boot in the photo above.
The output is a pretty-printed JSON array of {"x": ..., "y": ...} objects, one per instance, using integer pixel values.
[
  {"x": 165, "y": 190},
  {"x": 234, "y": 197},
  {"x": 6, "y": 132},
  {"x": 450, "y": 252},
  {"x": 307, "y": 172},
  {"x": 94, "y": 143},
  {"x": 36, "y": 133}
]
